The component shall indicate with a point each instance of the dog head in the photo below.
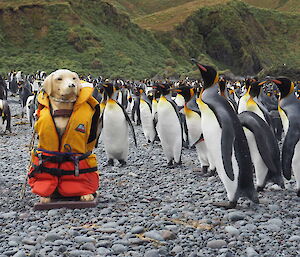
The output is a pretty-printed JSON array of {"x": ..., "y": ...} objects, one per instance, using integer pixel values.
[{"x": 63, "y": 85}]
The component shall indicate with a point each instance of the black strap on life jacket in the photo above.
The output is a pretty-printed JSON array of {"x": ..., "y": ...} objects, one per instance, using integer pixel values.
[{"x": 60, "y": 158}]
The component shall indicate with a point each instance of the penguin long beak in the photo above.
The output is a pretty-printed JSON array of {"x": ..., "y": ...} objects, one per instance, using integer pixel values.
[
  {"x": 176, "y": 90},
  {"x": 276, "y": 81},
  {"x": 263, "y": 82},
  {"x": 198, "y": 64}
]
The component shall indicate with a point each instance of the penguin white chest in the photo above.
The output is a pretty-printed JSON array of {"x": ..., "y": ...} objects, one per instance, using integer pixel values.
[{"x": 115, "y": 131}]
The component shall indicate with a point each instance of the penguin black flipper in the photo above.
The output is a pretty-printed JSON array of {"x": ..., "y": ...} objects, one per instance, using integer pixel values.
[
  {"x": 178, "y": 115},
  {"x": 291, "y": 139},
  {"x": 227, "y": 140},
  {"x": 129, "y": 122},
  {"x": 265, "y": 140}
]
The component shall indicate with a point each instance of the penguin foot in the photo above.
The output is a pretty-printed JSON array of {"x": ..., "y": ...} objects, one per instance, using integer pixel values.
[
  {"x": 122, "y": 163},
  {"x": 170, "y": 163},
  {"x": 45, "y": 199},
  {"x": 260, "y": 189},
  {"x": 110, "y": 162},
  {"x": 178, "y": 163},
  {"x": 204, "y": 169},
  {"x": 212, "y": 173}
]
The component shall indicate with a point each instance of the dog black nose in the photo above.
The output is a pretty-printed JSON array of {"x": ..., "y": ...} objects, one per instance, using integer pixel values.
[{"x": 72, "y": 85}]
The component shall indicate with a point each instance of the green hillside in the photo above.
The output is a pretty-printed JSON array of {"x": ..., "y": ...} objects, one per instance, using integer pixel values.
[
  {"x": 237, "y": 36},
  {"x": 86, "y": 36},
  {"x": 163, "y": 15},
  {"x": 93, "y": 36}
]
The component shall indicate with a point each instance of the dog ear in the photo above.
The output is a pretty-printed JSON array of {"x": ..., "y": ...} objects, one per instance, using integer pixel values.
[
  {"x": 47, "y": 84},
  {"x": 79, "y": 84}
]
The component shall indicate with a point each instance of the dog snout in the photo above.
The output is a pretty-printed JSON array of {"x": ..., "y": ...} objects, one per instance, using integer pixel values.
[{"x": 72, "y": 85}]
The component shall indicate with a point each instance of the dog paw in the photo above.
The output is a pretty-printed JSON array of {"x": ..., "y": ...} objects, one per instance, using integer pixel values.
[
  {"x": 89, "y": 197},
  {"x": 45, "y": 199}
]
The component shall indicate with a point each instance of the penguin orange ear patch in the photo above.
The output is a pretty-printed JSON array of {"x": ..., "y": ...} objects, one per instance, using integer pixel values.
[{"x": 80, "y": 128}]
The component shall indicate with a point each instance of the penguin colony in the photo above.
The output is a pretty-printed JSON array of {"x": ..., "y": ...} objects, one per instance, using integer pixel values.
[
  {"x": 246, "y": 133},
  {"x": 231, "y": 126}
]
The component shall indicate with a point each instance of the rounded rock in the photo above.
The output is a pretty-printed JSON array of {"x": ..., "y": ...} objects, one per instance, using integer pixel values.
[{"x": 215, "y": 244}]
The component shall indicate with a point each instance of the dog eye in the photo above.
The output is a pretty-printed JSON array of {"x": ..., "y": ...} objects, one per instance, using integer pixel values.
[
  {"x": 59, "y": 78},
  {"x": 74, "y": 78}
]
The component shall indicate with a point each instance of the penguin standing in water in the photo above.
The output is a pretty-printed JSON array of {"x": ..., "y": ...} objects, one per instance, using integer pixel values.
[
  {"x": 225, "y": 140},
  {"x": 195, "y": 133},
  {"x": 146, "y": 117},
  {"x": 115, "y": 123},
  {"x": 289, "y": 110},
  {"x": 169, "y": 125}
]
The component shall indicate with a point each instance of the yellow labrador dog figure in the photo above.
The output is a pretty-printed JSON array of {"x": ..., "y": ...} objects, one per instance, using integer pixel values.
[{"x": 63, "y": 164}]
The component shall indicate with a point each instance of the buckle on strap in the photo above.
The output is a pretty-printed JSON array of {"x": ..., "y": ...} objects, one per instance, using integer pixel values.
[
  {"x": 40, "y": 157},
  {"x": 76, "y": 164}
]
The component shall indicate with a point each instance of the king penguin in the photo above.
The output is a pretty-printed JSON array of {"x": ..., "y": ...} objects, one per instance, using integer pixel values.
[
  {"x": 264, "y": 149},
  {"x": 169, "y": 126},
  {"x": 195, "y": 133},
  {"x": 289, "y": 110},
  {"x": 225, "y": 139},
  {"x": 148, "y": 125},
  {"x": 115, "y": 123}
]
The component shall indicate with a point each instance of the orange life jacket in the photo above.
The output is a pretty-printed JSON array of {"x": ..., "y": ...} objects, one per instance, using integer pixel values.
[{"x": 67, "y": 163}]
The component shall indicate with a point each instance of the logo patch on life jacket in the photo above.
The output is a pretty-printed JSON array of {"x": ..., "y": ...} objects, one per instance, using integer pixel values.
[{"x": 80, "y": 128}]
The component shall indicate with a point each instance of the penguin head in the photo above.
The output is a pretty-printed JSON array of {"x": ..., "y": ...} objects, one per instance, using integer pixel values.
[
  {"x": 209, "y": 75},
  {"x": 163, "y": 89},
  {"x": 255, "y": 88},
  {"x": 285, "y": 86},
  {"x": 222, "y": 85},
  {"x": 186, "y": 91},
  {"x": 109, "y": 89}
]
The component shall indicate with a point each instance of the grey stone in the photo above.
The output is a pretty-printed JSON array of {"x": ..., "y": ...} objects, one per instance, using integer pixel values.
[
  {"x": 28, "y": 241},
  {"x": 103, "y": 243},
  {"x": 52, "y": 237},
  {"x": 168, "y": 235},
  {"x": 88, "y": 246},
  {"x": 216, "y": 244},
  {"x": 53, "y": 213},
  {"x": 108, "y": 230},
  {"x": 119, "y": 248},
  {"x": 234, "y": 216},
  {"x": 277, "y": 222},
  {"x": 152, "y": 253},
  {"x": 232, "y": 230},
  {"x": 273, "y": 207},
  {"x": 84, "y": 239},
  {"x": 80, "y": 253},
  {"x": 137, "y": 230},
  {"x": 110, "y": 225},
  {"x": 103, "y": 251},
  {"x": 177, "y": 249},
  {"x": 294, "y": 238},
  {"x": 153, "y": 234},
  {"x": 251, "y": 252},
  {"x": 10, "y": 252},
  {"x": 20, "y": 254},
  {"x": 8, "y": 215}
]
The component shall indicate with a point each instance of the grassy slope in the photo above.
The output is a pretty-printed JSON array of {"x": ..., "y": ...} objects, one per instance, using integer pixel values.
[
  {"x": 163, "y": 15},
  {"x": 55, "y": 34},
  {"x": 242, "y": 38}
]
